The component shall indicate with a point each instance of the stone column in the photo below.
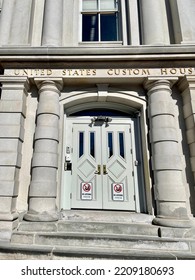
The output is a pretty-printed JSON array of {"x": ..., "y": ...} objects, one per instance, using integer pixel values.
[
  {"x": 43, "y": 187},
  {"x": 53, "y": 23},
  {"x": 154, "y": 24},
  {"x": 169, "y": 189},
  {"x": 5, "y": 21},
  {"x": 12, "y": 115},
  {"x": 187, "y": 87},
  {"x": 133, "y": 22}
]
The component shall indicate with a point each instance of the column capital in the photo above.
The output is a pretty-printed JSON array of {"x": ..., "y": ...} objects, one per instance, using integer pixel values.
[
  {"x": 155, "y": 82},
  {"x": 48, "y": 82},
  {"x": 14, "y": 82}
]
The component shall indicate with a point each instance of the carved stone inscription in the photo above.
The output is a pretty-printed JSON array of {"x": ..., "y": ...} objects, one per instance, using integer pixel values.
[{"x": 112, "y": 72}]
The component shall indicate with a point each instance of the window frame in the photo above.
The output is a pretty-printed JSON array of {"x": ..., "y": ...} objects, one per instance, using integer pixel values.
[{"x": 122, "y": 31}]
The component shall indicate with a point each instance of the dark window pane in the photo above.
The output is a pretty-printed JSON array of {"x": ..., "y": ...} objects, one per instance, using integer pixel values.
[
  {"x": 81, "y": 143},
  {"x": 110, "y": 145},
  {"x": 92, "y": 144},
  {"x": 121, "y": 145},
  {"x": 108, "y": 27},
  {"x": 90, "y": 28}
]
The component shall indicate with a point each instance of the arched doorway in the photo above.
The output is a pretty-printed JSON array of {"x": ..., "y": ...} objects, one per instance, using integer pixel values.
[{"x": 103, "y": 160}]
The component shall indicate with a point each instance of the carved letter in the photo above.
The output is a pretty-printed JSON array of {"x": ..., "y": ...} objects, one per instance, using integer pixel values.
[
  {"x": 136, "y": 71},
  {"x": 94, "y": 72},
  {"x": 189, "y": 70},
  {"x": 164, "y": 71},
  {"x": 173, "y": 71},
  {"x": 110, "y": 72},
  {"x": 49, "y": 72},
  {"x": 117, "y": 72},
  {"x": 145, "y": 72},
  {"x": 16, "y": 72},
  {"x": 25, "y": 72},
  {"x": 182, "y": 70}
]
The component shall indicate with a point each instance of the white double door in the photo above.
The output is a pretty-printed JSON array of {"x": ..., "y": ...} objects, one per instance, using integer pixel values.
[{"x": 102, "y": 166}]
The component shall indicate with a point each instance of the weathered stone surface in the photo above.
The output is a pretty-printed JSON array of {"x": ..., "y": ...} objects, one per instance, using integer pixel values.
[
  {"x": 24, "y": 238},
  {"x": 37, "y": 227},
  {"x": 108, "y": 228}
]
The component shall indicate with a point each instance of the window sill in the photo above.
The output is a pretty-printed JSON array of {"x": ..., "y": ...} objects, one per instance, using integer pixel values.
[{"x": 101, "y": 44}]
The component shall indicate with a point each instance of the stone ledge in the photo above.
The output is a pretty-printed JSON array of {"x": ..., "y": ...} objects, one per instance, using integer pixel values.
[{"x": 19, "y": 252}]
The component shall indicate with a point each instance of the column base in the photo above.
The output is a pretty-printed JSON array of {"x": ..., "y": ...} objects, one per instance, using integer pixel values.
[
  {"x": 41, "y": 217},
  {"x": 6, "y": 228},
  {"x": 9, "y": 216},
  {"x": 175, "y": 223}
]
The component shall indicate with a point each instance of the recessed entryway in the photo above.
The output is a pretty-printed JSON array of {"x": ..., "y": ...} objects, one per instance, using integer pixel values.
[{"x": 101, "y": 161}]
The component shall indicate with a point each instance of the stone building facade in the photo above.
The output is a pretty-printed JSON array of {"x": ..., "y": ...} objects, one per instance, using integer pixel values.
[{"x": 97, "y": 126}]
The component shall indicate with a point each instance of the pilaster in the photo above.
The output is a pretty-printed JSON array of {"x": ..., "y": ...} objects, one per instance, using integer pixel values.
[
  {"x": 183, "y": 21},
  {"x": 12, "y": 115},
  {"x": 20, "y": 24},
  {"x": 5, "y": 21},
  {"x": 169, "y": 189},
  {"x": 187, "y": 88},
  {"x": 53, "y": 23},
  {"x": 43, "y": 186}
]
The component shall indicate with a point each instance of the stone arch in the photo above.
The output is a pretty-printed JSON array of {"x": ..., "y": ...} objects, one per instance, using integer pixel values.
[{"x": 123, "y": 101}]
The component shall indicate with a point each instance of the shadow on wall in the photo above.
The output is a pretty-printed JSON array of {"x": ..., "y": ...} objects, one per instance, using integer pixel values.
[{"x": 177, "y": 98}]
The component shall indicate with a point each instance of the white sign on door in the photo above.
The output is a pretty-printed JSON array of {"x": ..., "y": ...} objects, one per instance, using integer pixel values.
[
  {"x": 86, "y": 191},
  {"x": 118, "y": 192}
]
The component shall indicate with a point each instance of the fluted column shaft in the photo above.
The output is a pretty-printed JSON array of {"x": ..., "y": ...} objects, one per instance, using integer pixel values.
[
  {"x": 43, "y": 187},
  {"x": 53, "y": 23},
  {"x": 169, "y": 188},
  {"x": 154, "y": 22}
]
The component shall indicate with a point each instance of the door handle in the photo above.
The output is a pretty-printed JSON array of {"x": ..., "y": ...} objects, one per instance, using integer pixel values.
[
  {"x": 104, "y": 170},
  {"x": 98, "y": 171}
]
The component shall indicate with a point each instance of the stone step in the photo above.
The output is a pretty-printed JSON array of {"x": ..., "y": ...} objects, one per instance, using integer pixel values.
[
  {"x": 95, "y": 241},
  {"x": 90, "y": 227},
  {"x": 105, "y": 216},
  {"x": 41, "y": 252}
]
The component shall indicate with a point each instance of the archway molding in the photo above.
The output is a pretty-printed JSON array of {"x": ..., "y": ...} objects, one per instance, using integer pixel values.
[{"x": 108, "y": 99}]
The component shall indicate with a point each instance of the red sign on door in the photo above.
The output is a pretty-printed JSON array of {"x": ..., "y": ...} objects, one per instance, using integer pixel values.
[
  {"x": 117, "y": 192},
  {"x": 86, "y": 191}
]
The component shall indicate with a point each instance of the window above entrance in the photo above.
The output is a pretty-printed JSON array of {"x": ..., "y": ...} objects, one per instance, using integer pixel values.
[{"x": 100, "y": 20}]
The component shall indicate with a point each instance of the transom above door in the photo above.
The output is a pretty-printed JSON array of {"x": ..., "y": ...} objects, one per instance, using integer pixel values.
[{"x": 102, "y": 164}]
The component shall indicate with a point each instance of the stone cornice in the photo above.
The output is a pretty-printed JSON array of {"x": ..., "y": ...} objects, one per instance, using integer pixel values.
[{"x": 95, "y": 53}]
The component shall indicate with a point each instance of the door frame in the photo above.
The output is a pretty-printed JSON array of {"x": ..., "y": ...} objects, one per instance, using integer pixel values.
[
  {"x": 140, "y": 199},
  {"x": 117, "y": 122},
  {"x": 127, "y": 101}
]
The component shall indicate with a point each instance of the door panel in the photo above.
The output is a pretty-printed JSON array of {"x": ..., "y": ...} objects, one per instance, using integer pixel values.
[
  {"x": 102, "y": 166},
  {"x": 86, "y": 158},
  {"x": 118, "y": 162}
]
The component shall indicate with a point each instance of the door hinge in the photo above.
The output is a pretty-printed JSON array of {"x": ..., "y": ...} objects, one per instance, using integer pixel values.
[
  {"x": 131, "y": 151},
  {"x": 134, "y": 197},
  {"x": 132, "y": 173},
  {"x": 70, "y": 195},
  {"x": 130, "y": 129}
]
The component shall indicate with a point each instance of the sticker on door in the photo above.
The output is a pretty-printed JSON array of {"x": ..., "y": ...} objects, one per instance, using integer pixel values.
[
  {"x": 118, "y": 192},
  {"x": 86, "y": 191}
]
